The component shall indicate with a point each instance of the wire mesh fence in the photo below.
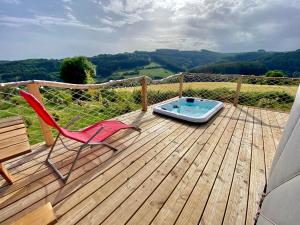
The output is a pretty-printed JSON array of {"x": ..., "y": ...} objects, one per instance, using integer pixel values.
[
  {"x": 106, "y": 101},
  {"x": 210, "y": 86},
  {"x": 12, "y": 104},
  {"x": 91, "y": 104},
  {"x": 272, "y": 93},
  {"x": 164, "y": 89},
  {"x": 258, "y": 91}
]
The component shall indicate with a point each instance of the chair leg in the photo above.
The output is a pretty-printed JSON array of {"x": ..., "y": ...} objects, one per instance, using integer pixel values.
[
  {"x": 5, "y": 174},
  {"x": 48, "y": 161},
  {"x": 52, "y": 147},
  {"x": 66, "y": 177},
  {"x": 73, "y": 164},
  {"x": 55, "y": 169}
]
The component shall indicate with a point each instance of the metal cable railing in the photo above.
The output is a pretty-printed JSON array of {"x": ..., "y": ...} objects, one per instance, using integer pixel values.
[{"x": 96, "y": 102}]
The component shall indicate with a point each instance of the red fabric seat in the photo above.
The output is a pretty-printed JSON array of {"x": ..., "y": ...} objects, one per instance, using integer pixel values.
[
  {"x": 110, "y": 127},
  {"x": 94, "y": 134}
]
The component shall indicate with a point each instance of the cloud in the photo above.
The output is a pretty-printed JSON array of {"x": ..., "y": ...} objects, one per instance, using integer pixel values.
[
  {"x": 69, "y": 13},
  {"x": 47, "y": 21},
  {"x": 128, "y": 25},
  {"x": 218, "y": 24}
]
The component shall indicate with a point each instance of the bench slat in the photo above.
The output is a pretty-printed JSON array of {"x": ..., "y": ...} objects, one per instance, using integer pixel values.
[
  {"x": 13, "y": 133},
  {"x": 41, "y": 216},
  {"x": 10, "y": 128},
  {"x": 10, "y": 121},
  {"x": 14, "y": 151},
  {"x": 12, "y": 141}
]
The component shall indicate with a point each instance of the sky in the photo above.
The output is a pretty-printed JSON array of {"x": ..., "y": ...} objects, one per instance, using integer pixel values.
[{"x": 65, "y": 28}]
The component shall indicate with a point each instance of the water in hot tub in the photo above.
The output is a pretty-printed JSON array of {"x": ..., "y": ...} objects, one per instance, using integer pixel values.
[{"x": 196, "y": 108}]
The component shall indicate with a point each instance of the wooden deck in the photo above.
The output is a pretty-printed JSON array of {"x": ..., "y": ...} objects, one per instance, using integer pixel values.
[{"x": 173, "y": 173}]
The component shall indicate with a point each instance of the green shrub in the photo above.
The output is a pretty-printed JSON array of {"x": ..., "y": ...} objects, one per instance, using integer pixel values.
[
  {"x": 275, "y": 73},
  {"x": 272, "y": 99},
  {"x": 77, "y": 70}
]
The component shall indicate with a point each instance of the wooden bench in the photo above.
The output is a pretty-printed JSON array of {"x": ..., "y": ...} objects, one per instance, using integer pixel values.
[
  {"x": 13, "y": 142},
  {"x": 41, "y": 216}
]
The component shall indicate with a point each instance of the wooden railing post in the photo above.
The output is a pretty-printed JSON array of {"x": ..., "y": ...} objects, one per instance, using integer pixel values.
[
  {"x": 34, "y": 90},
  {"x": 237, "y": 92},
  {"x": 144, "y": 94},
  {"x": 181, "y": 78}
]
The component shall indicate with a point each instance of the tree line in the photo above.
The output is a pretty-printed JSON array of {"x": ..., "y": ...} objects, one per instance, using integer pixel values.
[{"x": 254, "y": 63}]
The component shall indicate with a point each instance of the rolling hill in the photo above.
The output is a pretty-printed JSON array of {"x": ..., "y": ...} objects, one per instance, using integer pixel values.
[{"x": 159, "y": 63}]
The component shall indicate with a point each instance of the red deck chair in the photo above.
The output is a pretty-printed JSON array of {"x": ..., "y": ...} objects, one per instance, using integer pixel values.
[{"x": 92, "y": 135}]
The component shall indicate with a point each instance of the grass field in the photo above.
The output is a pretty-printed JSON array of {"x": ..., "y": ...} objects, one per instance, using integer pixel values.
[
  {"x": 216, "y": 85},
  {"x": 152, "y": 70}
]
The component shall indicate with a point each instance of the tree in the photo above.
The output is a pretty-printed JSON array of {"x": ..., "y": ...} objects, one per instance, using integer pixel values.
[
  {"x": 77, "y": 70},
  {"x": 275, "y": 73}
]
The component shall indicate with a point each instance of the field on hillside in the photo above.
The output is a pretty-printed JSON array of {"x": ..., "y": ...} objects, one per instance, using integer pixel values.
[{"x": 153, "y": 70}]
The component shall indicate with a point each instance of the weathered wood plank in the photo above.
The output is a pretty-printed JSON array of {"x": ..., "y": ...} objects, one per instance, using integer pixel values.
[
  {"x": 237, "y": 202},
  {"x": 275, "y": 127},
  {"x": 268, "y": 141},
  {"x": 281, "y": 120},
  {"x": 258, "y": 173}
]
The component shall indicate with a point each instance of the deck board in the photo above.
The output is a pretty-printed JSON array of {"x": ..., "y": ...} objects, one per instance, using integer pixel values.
[
  {"x": 216, "y": 205},
  {"x": 257, "y": 177},
  {"x": 172, "y": 173},
  {"x": 236, "y": 208}
]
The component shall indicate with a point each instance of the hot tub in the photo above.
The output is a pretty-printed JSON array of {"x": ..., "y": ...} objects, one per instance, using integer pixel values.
[{"x": 194, "y": 110}]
